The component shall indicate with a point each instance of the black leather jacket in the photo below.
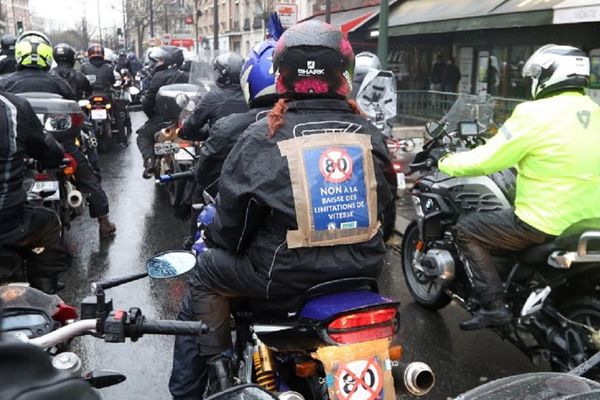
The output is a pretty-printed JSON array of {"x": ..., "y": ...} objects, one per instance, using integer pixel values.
[
  {"x": 216, "y": 104},
  {"x": 36, "y": 80},
  {"x": 221, "y": 138},
  {"x": 159, "y": 79},
  {"x": 78, "y": 82},
  {"x": 8, "y": 64},
  {"x": 103, "y": 73},
  {"x": 29, "y": 138},
  {"x": 256, "y": 209}
]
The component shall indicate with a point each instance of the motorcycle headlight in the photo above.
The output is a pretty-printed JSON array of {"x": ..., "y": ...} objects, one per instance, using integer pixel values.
[{"x": 57, "y": 122}]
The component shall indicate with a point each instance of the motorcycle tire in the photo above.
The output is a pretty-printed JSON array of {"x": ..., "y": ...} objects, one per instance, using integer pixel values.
[
  {"x": 426, "y": 292},
  {"x": 584, "y": 309}
]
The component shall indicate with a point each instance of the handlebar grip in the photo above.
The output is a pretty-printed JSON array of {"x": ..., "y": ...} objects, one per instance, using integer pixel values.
[
  {"x": 166, "y": 327},
  {"x": 176, "y": 176}
]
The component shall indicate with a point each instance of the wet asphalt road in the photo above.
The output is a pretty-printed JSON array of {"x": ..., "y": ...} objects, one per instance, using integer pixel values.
[{"x": 146, "y": 226}]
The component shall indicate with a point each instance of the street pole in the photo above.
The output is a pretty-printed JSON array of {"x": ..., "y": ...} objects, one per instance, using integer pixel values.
[
  {"x": 99, "y": 24},
  {"x": 382, "y": 41},
  {"x": 328, "y": 11},
  {"x": 124, "y": 24},
  {"x": 151, "y": 21},
  {"x": 216, "y": 27},
  {"x": 166, "y": 18}
]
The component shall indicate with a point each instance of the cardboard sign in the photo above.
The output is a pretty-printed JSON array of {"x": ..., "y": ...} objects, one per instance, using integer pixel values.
[{"x": 334, "y": 187}]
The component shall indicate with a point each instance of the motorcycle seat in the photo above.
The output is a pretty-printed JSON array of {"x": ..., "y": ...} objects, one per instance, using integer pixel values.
[
  {"x": 282, "y": 307},
  {"x": 539, "y": 253}
]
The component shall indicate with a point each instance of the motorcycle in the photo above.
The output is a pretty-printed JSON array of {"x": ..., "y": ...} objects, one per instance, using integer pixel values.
[
  {"x": 55, "y": 188},
  {"x": 332, "y": 342},
  {"x": 174, "y": 155},
  {"x": 551, "y": 289},
  {"x": 98, "y": 108},
  {"x": 46, "y": 321},
  {"x": 122, "y": 95}
]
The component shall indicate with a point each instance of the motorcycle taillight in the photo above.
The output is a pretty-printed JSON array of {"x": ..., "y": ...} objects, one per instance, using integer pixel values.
[
  {"x": 363, "y": 326},
  {"x": 77, "y": 120}
]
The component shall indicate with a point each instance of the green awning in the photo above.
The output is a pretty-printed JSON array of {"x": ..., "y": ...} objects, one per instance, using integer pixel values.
[{"x": 414, "y": 17}]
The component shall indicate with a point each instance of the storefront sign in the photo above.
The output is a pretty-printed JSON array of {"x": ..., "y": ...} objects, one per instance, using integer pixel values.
[
  {"x": 575, "y": 15},
  {"x": 287, "y": 12}
]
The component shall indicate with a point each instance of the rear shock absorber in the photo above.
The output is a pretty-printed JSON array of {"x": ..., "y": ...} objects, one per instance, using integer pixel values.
[{"x": 263, "y": 365}]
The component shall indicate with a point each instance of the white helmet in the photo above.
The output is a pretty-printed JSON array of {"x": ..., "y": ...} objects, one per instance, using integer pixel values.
[
  {"x": 367, "y": 60},
  {"x": 554, "y": 68}
]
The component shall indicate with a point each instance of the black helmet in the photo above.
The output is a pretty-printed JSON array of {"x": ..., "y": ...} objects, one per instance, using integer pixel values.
[
  {"x": 314, "y": 58},
  {"x": 63, "y": 52},
  {"x": 228, "y": 67},
  {"x": 95, "y": 51},
  {"x": 175, "y": 55},
  {"x": 8, "y": 43}
]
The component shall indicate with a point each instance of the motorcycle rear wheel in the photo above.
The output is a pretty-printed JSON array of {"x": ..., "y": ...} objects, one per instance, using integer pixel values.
[
  {"x": 424, "y": 290},
  {"x": 584, "y": 309}
]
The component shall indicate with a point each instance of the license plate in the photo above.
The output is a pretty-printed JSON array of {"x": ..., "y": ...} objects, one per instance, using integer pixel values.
[
  {"x": 99, "y": 114},
  {"x": 185, "y": 155},
  {"x": 401, "y": 181},
  {"x": 47, "y": 187},
  {"x": 162, "y": 149}
]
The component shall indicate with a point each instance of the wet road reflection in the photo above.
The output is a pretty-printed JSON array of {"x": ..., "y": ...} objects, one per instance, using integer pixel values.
[{"x": 146, "y": 226}]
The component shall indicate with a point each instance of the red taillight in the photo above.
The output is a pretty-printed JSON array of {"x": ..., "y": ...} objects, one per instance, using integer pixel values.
[
  {"x": 364, "y": 335},
  {"x": 363, "y": 319},
  {"x": 42, "y": 176},
  {"x": 397, "y": 167},
  {"x": 363, "y": 326},
  {"x": 71, "y": 165},
  {"x": 76, "y": 120}
]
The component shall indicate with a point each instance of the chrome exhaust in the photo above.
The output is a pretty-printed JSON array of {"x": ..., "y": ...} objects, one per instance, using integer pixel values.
[
  {"x": 74, "y": 196},
  {"x": 418, "y": 378}
]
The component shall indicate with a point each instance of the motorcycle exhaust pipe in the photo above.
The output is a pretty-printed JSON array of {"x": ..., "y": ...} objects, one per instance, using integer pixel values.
[
  {"x": 418, "y": 378},
  {"x": 74, "y": 197}
]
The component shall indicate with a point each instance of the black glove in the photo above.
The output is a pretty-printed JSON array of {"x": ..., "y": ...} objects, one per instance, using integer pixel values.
[{"x": 436, "y": 155}]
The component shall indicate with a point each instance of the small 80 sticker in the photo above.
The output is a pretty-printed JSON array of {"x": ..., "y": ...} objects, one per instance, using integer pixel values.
[
  {"x": 335, "y": 165},
  {"x": 359, "y": 380}
]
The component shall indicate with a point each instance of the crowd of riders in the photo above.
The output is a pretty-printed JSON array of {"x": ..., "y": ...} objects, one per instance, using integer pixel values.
[{"x": 260, "y": 125}]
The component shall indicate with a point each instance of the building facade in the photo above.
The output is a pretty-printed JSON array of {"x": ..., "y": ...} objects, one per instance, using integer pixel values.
[{"x": 13, "y": 12}]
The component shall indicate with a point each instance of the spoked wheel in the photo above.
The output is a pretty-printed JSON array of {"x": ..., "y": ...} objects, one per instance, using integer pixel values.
[
  {"x": 584, "y": 310},
  {"x": 175, "y": 188},
  {"x": 425, "y": 290}
]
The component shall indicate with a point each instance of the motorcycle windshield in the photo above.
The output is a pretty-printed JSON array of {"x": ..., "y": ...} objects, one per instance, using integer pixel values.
[
  {"x": 469, "y": 107},
  {"x": 202, "y": 72}
]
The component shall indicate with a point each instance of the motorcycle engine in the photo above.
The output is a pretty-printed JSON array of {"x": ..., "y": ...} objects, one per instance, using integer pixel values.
[{"x": 439, "y": 264}]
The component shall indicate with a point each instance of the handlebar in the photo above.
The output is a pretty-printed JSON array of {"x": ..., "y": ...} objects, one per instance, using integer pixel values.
[
  {"x": 178, "y": 176},
  {"x": 165, "y": 327}
]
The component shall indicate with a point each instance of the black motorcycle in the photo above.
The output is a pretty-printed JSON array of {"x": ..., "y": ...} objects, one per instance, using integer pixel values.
[{"x": 552, "y": 289}]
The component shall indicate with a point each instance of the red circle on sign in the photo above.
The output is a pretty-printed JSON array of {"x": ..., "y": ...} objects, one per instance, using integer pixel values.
[
  {"x": 359, "y": 380},
  {"x": 335, "y": 165}
]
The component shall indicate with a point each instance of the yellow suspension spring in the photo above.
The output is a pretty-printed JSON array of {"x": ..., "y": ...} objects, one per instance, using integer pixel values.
[{"x": 264, "y": 378}]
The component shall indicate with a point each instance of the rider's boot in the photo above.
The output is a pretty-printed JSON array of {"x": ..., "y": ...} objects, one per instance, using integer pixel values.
[
  {"x": 107, "y": 228},
  {"x": 148, "y": 168},
  {"x": 492, "y": 314}
]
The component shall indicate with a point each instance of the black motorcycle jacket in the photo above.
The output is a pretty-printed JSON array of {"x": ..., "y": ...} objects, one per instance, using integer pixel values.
[
  {"x": 296, "y": 204},
  {"x": 8, "y": 64},
  {"x": 216, "y": 104},
  {"x": 221, "y": 138},
  {"x": 100, "y": 74},
  {"x": 27, "y": 137},
  {"x": 36, "y": 80},
  {"x": 159, "y": 79},
  {"x": 78, "y": 82}
]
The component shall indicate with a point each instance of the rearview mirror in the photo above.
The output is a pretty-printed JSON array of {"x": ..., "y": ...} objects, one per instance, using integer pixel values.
[
  {"x": 181, "y": 99},
  {"x": 170, "y": 264},
  {"x": 434, "y": 129}
]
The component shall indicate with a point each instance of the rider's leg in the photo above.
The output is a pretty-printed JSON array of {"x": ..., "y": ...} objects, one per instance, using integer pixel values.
[
  {"x": 477, "y": 235},
  {"x": 218, "y": 277}
]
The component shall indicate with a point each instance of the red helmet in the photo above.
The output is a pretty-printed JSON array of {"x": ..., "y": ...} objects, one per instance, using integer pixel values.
[
  {"x": 95, "y": 51},
  {"x": 313, "y": 58}
]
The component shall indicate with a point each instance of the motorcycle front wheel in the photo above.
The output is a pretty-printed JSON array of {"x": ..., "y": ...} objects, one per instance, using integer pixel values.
[{"x": 425, "y": 290}]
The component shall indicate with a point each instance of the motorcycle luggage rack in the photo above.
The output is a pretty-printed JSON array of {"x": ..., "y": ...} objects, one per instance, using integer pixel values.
[{"x": 564, "y": 259}]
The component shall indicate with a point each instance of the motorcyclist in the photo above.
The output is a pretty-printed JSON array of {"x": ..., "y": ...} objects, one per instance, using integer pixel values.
[
  {"x": 33, "y": 53},
  {"x": 24, "y": 228},
  {"x": 8, "y": 64},
  {"x": 34, "y": 57},
  {"x": 167, "y": 61},
  {"x": 123, "y": 62},
  {"x": 363, "y": 62},
  {"x": 258, "y": 86},
  {"x": 224, "y": 99},
  {"x": 554, "y": 142},
  {"x": 64, "y": 55},
  {"x": 100, "y": 72},
  {"x": 134, "y": 64},
  {"x": 260, "y": 245}
]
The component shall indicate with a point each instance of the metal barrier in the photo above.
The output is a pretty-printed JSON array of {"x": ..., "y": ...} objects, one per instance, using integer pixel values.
[{"x": 415, "y": 107}]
